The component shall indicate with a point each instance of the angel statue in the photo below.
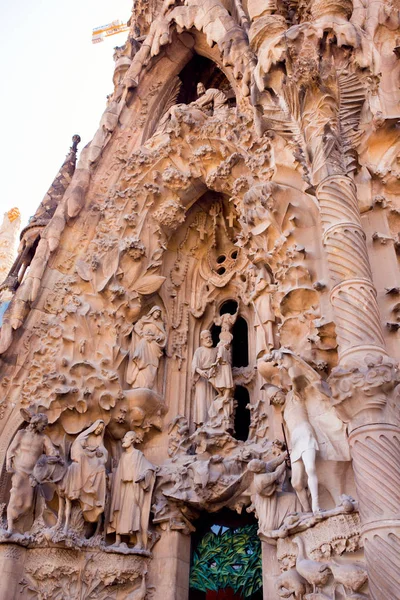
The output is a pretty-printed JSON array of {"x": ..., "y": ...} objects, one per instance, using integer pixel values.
[
  {"x": 226, "y": 321},
  {"x": 312, "y": 426},
  {"x": 146, "y": 349}
]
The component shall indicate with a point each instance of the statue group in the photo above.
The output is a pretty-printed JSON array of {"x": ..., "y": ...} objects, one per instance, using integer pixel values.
[{"x": 33, "y": 461}]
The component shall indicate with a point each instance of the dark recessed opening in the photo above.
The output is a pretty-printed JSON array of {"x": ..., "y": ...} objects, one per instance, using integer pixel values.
[
  {"x": 234, "y": 254},
  {"x": 240, "y": 344},
  {"x": 221, "y": 259},
  {"x": 200, "y": 69},
  {"x": 221, "y": 270},
  {"x": 242, "y": 414},
  {"x": 230, "y": 306}
]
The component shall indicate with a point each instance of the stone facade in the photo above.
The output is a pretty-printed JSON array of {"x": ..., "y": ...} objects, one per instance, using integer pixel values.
[{"x": 205, "y": 313}]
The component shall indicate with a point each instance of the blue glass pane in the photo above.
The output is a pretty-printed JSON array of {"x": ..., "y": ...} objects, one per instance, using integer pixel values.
[{"x": 3, "y": 308}]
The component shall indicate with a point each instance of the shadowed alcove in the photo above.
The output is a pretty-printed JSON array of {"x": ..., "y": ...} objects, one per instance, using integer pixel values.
[{"x": 200, "y": 70}]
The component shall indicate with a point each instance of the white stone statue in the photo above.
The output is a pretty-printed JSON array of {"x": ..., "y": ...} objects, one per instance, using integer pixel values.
[
  {"x": 23, "y": 453},
  {"x": 303, "y": 449},
  {"x": 203, "y": 360},
  {"x": 132, "y": 488},
  {"x": 85, "y": 480},
  {"x": 145, "y": 354},
  {"x": 311, "y": 425}
]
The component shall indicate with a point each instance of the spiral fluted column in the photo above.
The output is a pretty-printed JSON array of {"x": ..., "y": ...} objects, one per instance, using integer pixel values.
[
  {"x": 353, "y": 295},
  {"x": 361, "y": 382}
]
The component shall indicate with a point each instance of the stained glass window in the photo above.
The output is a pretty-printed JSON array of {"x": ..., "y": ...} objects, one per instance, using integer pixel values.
[{"x": 226, "y": 564}]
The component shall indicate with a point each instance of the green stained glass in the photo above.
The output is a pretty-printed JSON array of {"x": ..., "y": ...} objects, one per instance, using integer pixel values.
[{"x": 227, "y": 557}]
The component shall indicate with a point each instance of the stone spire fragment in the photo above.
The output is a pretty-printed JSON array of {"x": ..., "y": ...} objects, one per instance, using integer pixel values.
[
  {"x": 30, "y": 235},
  {"x": 8, "y": 237}
]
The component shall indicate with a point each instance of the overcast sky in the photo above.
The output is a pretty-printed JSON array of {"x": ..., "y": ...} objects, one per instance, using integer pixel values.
[{"x": 54, "y": 84}]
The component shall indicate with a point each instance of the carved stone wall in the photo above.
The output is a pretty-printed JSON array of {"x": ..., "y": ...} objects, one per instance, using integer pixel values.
[{"x": 207, "y": 318}]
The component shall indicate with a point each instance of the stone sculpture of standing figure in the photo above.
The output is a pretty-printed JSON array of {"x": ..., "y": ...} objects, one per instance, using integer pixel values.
[
  {"x": 25, "y": 450},
  {"x": 203, "y": 360},
  {"x": 223, "y": 379},
  {"x": 263, "y": 313},
  {"x": 85, "y": 480},
  {"x": 132, "y": 488},
  {"x": 144, "y": 356}
]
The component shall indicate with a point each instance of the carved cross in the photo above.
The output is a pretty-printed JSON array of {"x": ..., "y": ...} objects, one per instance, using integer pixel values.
[
  {"x": 231, "y": 217},
  {"x": 201, "y": 229}
]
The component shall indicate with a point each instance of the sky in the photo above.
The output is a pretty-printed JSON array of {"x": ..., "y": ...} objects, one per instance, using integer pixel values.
[{"x": 54, "y": 84}]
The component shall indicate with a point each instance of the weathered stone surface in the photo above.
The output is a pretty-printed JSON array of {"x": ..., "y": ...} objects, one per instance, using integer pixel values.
[{"x": 216, "y": 283}]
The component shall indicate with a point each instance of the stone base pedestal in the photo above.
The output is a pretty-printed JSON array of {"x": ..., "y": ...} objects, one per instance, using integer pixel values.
[
  {"x": 169, "y": 569},
  {"x": 12, "y": 561},
  {"x": 52, "y": 572},
  {"x": 271, "y": 571}
]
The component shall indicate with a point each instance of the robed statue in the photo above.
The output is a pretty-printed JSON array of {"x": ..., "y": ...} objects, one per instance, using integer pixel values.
[
  {"x": 132, "y": 488},
  {"x": 202, "y": 363},
  {"x": 85, "y": 480},
  {"x": 147, "y": 347}
]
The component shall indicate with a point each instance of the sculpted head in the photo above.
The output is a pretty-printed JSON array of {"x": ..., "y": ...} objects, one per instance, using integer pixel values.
[
  {"x": 206, "y": 338},
  {"x": 38, "y": 422},
  {"x": 278, "y": 398},
  {"x": 131, "y": 438},
  {"x": 100, "y": 428},
  {"x": 256, "y": 466},
  {"x": 155, "y": 312},
  {"x": 200, "y": 89}
]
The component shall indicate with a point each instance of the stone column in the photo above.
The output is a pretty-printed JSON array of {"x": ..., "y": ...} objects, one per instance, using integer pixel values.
[
  {"x": 361, "y": 383},
  {"x": 376, "y": 459},
  {"x": 12, "y": 560},
  {"x": 270, "y": 570},
  {"x": 353, "y": 296},
  {"x": 169, "y": 569}
]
